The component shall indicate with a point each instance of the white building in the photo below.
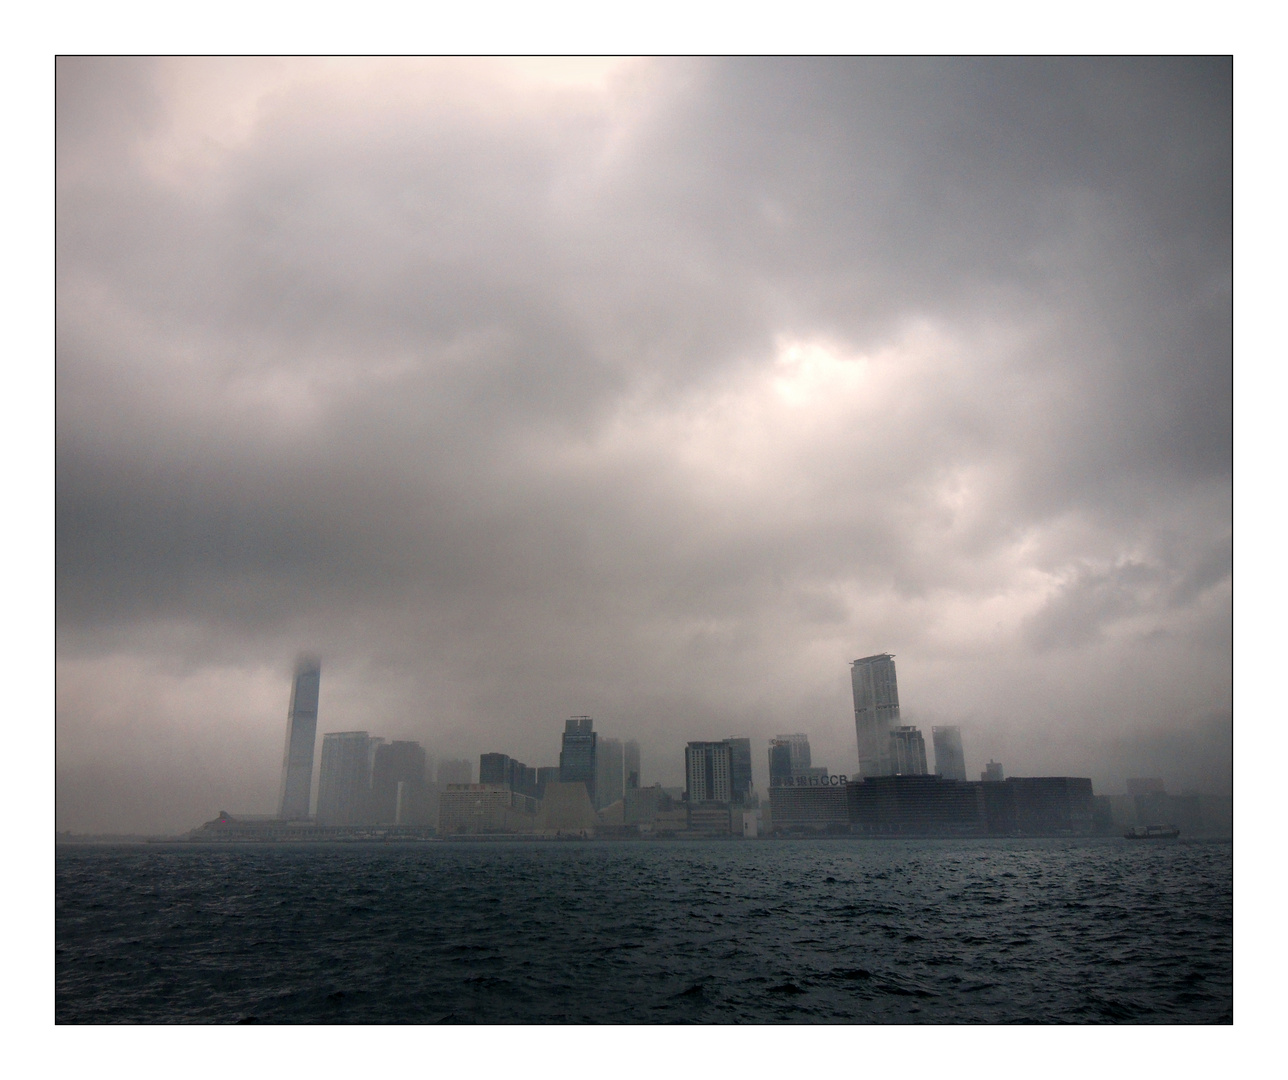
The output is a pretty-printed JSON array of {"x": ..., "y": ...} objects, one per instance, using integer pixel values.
[{"x": 876, "y": 712}]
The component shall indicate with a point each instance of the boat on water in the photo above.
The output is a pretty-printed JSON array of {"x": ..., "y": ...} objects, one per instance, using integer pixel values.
[{"x": 1152, "y": 832}]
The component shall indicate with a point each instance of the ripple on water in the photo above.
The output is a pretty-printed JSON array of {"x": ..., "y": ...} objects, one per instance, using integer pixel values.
[{"x": 836, "y": 931}]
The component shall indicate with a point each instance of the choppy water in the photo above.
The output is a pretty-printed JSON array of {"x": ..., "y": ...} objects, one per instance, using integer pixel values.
[{"x": 836, "y": 931}]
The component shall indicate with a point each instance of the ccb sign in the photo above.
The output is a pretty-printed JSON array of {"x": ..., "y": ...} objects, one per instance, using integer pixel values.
[{"x": 809, "y": 781}]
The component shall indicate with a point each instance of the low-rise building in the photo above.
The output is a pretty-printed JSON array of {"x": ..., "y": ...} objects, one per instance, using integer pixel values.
[
  {"x": 712, "y": 819},
  {"x": 1040, "y": 806},
  {"x": 809, "y": 807},
  {"x": 916, "y": 806},
  {"x": 485, "y": 808}
]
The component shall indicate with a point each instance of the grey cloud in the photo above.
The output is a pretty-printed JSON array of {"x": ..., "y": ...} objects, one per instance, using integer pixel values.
[{"x": 479, "y": 398}]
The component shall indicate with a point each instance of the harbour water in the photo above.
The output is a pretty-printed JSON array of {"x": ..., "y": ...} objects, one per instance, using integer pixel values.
[{"x": 829, "y": 931}]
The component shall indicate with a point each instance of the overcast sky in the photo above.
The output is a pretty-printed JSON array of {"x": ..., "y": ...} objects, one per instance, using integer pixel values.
[{"x": 652, "y": 390}]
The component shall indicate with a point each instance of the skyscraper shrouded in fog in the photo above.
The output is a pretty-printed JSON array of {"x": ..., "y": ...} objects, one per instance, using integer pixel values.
[
  {"x": 950, "y": 761},
  {"x": 608, "y": 772},
  {"x": 631, "y": 763},
  {"x": 301, "y": 737},
  {"x": 789, "y": 756},
  {"x": 394, "y": 764},
  {"x": 876, "y": 712},
  {"x": 740, "y": 778},
  {"x": 577, "y": 754},
  {"x": 344, "y": 781},
  {"x": 907, "y": 752}
]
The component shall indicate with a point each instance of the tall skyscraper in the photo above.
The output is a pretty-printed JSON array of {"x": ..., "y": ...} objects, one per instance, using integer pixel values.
[
  {"x": 301, "y": 737},
  {"x": 494, "y": 768},
  {"x": 512, "y": 773},
  {"x": 393, "y": 764},
  {"x": 608, "y": 773},
  {"x": 631, "y": 760},
  {"x": 876, "y": 712},
  {"x": 908, "y": 752},
  {"x": 992, "y": 773},
  {"x": 708, "y": 772},
  {"x": 950, "y": 761},
  {"x": 798, "y": 747},
  {"x": 740, "y": 779},
  {"x": 344, "y": 783},
  {"x": 577, "y": 754},
  {"x": 780, "y": 762}
]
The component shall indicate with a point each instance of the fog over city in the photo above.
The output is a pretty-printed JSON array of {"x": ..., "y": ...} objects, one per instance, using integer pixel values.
[{"x": 656, "y": 391}]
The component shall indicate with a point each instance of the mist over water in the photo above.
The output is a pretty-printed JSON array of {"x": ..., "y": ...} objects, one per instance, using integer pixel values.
[{"x": 837, "y": 931}]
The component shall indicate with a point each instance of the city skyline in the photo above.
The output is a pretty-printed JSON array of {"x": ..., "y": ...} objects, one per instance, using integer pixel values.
[{"x": 652, "y": 390}]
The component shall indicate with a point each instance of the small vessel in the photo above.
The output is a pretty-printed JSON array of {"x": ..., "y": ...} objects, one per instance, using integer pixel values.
[{"x": 1152, "y": 832}]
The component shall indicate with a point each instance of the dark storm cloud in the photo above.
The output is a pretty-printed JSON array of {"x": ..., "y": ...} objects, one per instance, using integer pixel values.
[{"x": 659, "y": 395}]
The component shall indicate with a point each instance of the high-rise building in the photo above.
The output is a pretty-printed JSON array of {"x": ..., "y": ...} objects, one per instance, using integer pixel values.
[
  {"x": 301, "y": 738},
  {"x": 876, "y": 712},
  {"x": 790, "y": 761},
  {"x": 708, "y": 772},
  {"x": 577, "y": 754},
  {"x": 608, "y": 773},
  {"x": 494, "y": 768},
  {"x": 344, "y": 783},
  {"x": 631, "y": 761},
  {"x": 740, "y": 779},
  {"x": 453, "y": 771},
  {"x": 780, "y": 762},
  {"x": 798, "y": 748},
  {"x": 908, "y": 752},
  {"x": 992, "y": 773},
  {"x": 393, "y": 764},
  {"x": 950, "y": 762},
  {"x": 514, "y": 774}
]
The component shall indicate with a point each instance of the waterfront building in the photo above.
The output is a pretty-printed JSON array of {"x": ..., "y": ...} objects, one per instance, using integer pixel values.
[
  {"x": 708, "y": 772},
  {"x": 301, "y": 739},
  {"x": 809, "y": 807},
  {"x": 950, "y": 761},
  {"x": 578, "y": 754},
  {"x": 992, "y": 773},
  {"x": 344, "y": 781},
  {"x": 1040, "y": 806},
  {"x": 454, "y": 771},
  {"x": 477, "y": 808},
  {"x": 916, "y": 805},
  {"x": 631, "y": 764},
  {"x": 566, "y": 809},
  {"x": 1154, "y": 806},
  {"x": 395, "y": 765},
  {"x": 608, "y": 772},
  {"x": 713, "y": 819},
  {"x": 876, "y": 712},
  {"x": 907, "y": 752},
  {"x": 640, "y": 805},
  {"x": 229, "y": 828}
]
